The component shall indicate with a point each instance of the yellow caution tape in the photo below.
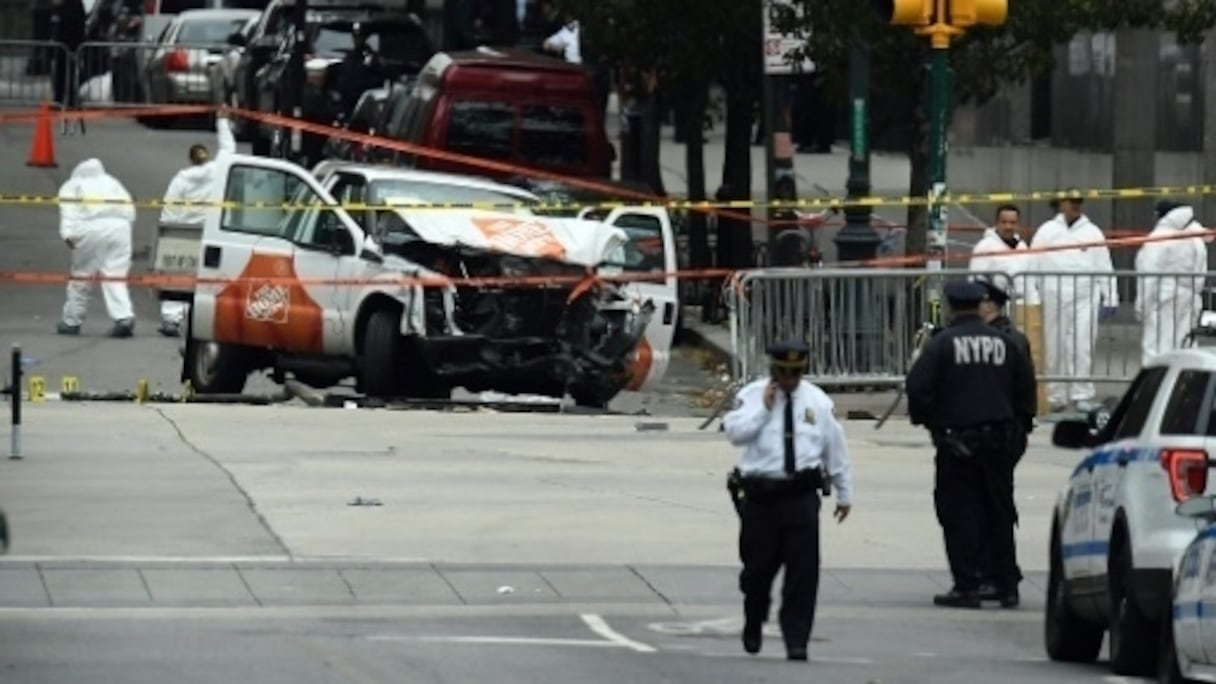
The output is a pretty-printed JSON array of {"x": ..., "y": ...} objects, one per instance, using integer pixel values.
[{"x": 673, "y": 204}]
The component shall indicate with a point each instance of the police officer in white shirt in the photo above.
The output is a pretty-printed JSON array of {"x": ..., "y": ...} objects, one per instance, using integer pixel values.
[{"x": 793, "y": 449}]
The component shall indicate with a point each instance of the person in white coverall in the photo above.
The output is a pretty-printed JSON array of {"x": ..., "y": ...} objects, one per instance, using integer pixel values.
[
  {"x": 1076, "y": 293},
  {"x": 1168, "y": 305},
  {"x": 99, "y": 235},
  {"x": 1002, "y": 252},
  {"x": 195, "y": 183}
]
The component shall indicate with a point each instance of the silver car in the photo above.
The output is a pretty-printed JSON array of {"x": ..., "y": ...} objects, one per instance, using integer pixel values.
[{"x": 177, "y": 71}]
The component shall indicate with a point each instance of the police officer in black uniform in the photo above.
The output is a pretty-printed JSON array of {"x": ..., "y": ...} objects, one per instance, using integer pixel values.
[
  {"x": 992, "y": 311},
  {"x": 793, "y": 451},
  {"x": 973, "y": 387}
]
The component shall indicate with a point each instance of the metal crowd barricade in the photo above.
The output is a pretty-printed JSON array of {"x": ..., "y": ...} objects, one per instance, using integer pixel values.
[
  {"x": 29, "y": 68},
  {"x": 861, "y": 323},
  {"x": 1090, "y": 337},
  {"x": 118, "y": 74}
]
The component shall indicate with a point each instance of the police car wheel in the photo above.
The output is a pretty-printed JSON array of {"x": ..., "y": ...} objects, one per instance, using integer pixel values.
[
  {"x": 1132, "y": 651},
  {"x": 1068, "y": 637},
  {"x": 1168, "y": 669}
]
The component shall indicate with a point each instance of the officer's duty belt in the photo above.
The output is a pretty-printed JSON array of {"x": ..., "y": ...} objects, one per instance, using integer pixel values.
[{"x": 761, "y": 489}]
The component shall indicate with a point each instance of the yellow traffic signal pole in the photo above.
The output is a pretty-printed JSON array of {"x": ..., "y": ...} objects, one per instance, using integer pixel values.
[{"x": 941, "y": 84}]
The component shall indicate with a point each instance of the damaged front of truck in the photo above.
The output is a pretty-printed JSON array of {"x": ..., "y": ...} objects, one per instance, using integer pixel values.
[{"x": 523, "y": 310}]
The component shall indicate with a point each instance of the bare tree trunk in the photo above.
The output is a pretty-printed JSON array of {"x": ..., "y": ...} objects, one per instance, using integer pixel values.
[
  {"x": 694, "y": 160},
  {"x": 735, "y": 244}
]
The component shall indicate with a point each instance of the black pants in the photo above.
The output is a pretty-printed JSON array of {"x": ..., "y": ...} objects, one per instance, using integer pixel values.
[
  {"x": 63, "y": 77},
  {"x": 973, "y": 496},
  {"x": 773, "y": 534}
]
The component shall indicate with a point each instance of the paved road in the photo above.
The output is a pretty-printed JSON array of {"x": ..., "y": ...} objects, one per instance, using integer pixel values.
[{"x": 144, "y": 160}]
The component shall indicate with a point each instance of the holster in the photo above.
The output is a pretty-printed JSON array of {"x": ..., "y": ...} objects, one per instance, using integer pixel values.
[{"x": 734, "y": 487}]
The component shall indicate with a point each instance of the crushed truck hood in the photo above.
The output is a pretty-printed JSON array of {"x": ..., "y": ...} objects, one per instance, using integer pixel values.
[{"x": 573, "y": 241}]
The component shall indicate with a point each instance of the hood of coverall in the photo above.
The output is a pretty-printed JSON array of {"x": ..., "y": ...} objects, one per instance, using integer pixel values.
[
  {"x": 89, "y": 179},
  {"x": 1177, "y": 218},
  {"x": 198, "y": 179}
]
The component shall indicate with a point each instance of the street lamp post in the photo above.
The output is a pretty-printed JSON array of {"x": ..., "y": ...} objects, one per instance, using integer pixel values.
[{"x": 858, "y": 241}]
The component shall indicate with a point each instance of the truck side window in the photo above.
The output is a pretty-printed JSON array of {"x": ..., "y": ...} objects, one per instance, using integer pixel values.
[
  {"x": 263, "y": 201},
  {"x": 553, "y": 134}
]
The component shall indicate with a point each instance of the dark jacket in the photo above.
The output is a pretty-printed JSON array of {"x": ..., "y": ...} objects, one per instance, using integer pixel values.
[
  {"x": 67, "y": 23},
  {"x": 971, "y": 374}
]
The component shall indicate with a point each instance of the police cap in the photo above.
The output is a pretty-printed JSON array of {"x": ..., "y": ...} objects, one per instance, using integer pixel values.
[
  {"x": 995, "y": 293},
  {"x": 790, "y": 354},
  {"x": 964, "y": 292}
]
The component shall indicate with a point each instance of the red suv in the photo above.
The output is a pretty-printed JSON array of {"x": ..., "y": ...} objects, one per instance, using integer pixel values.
[{"x": 510, "y": 106}]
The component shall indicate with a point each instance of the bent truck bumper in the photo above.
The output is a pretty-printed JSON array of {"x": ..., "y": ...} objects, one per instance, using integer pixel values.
[{"x": 530, "y": 365}]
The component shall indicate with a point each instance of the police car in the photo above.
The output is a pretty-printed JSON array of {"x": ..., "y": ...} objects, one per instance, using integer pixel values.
[
  {"x": 1188, "y": 640},
  {"x": 1115, "y": 536}
]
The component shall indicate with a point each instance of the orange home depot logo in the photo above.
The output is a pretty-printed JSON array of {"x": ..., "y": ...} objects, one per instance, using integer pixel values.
[
  {"x": 523, "y": 237},
  {"x": 268, "y": 307},
  {"x": 639, "y": 367}
]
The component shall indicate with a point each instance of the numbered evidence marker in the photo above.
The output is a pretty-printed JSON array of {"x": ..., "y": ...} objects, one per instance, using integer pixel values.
[
  {"x": 69, "y": 384},
  {"x": 37, "y": 388}
]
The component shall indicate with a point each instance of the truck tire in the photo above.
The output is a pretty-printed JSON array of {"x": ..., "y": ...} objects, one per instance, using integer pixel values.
[
  {"x": 383, "y": 356},
  {"x": 1133, "y": 648},
  {"x": 215, "y": 368},
  {"x": 1068, "y": 637}
]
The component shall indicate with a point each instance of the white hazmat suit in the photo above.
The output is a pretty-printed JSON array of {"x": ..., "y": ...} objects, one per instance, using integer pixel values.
[
  {"x": 100, "y": 237},
  {"x": 1168, "y": 305},
  {"x": 992, "y": 254},
  {"x": 192, "y": 184},
  {"x": 1073, "y": 287}
]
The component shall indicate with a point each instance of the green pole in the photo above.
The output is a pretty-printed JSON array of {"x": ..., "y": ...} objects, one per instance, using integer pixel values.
[{"x": 941, "y": 86}]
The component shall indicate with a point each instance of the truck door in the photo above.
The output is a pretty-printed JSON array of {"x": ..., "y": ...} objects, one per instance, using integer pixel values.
[{"x": 651, "y": 249}]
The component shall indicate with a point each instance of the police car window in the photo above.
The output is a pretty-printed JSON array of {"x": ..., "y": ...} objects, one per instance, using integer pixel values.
[
  {"x": 1132, "y": 414},
  {"x": 329, "y": 41},
  {"x": 644, "y": 251},
  {"x": 250, "y": 186},
  {"x": 1186, "y": 404},
  {"x": 482, "y": 129},
  {"x": 553, "y": 134}
]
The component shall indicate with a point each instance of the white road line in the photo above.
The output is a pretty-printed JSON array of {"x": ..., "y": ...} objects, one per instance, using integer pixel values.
[
  {"x": 150, "y": 560},
  {"x": 841, "y": 661},
  {"x": 516, "y": 641},
  {"x": 600, "y": 627}
]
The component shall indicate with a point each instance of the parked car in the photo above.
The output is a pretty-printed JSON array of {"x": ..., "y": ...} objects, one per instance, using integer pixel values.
[
  {"x": 507, "y": 106},
  {"x": 178, "y": 71},
  {"x": 394, "y": 45},
  {"x": 142, "y": 24},
  {"x": 222, "y": 74},
  {"x": 1188, "y": 639},
  {"x": 398, "y": 339},
  {"x": 1115, "y": 537},
  {"x": 266, "y": 38}
]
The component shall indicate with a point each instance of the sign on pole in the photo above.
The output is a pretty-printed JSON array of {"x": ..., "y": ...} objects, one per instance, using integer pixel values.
[{"x": 779, "y": 48}]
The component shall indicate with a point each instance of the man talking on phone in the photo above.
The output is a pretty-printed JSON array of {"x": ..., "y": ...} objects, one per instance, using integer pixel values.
[{"x": 793, "y": 451}]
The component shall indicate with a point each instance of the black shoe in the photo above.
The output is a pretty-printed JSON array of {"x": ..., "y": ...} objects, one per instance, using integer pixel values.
[
  {"x": 1010, "y": 599},
  {"x": 66, "y": 329},
  {"x": 752, "y": 637},
  {"x": 123, "y": 329},
  {"x": 989, "y": 592},
  {"x": 169, "y": 330},
  {"x": 795, "y": 653},
  {"x": 958, "y": 598}
]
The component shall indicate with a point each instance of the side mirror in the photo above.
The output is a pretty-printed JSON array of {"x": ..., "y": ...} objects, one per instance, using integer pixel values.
[
  {"x": 1201, "y": 507},
  {"x": 237, "y": 39},
  {"x": 1073, "y": 434},
  {"x": 1098, "y": 418}
]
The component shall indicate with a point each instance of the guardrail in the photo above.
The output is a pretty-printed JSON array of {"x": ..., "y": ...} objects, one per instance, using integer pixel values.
[
  {"x": 34, "y": 71},
  {"x": 861, "y": 323}
]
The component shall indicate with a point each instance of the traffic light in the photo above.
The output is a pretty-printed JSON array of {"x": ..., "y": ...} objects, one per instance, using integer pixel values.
[
  {"x": 964, "y": 13},
  {"x": 906, "y": 12}
]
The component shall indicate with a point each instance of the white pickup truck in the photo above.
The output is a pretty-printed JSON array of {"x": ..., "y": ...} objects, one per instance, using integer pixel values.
[{"x": 267, "y": 296}]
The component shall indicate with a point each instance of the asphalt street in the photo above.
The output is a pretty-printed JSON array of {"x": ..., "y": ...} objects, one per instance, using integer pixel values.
[{"x": 205, "y": 543}]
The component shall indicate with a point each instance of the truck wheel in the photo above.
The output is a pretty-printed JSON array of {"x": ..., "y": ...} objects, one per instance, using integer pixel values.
[
  {"x": 215, "y": 368},
  {"x": 383, "y": 356},
  {"x": 592, "y": 396},
  {"x": 1068, "y": 638},
  {"x": 1132, "y": 646}
]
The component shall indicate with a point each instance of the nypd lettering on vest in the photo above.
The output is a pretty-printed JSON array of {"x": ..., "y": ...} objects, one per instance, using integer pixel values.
[{"x": 980, "y": 350}]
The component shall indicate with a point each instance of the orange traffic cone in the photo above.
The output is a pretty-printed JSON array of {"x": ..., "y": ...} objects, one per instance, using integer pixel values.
[{"x": 42, "y": 153}]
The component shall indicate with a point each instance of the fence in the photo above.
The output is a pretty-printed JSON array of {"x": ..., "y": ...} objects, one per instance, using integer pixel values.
[
  {"x": 862, "y": 323},
  {"x": 109, "y": 74},
  {"x": 29, "y": 70}
]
